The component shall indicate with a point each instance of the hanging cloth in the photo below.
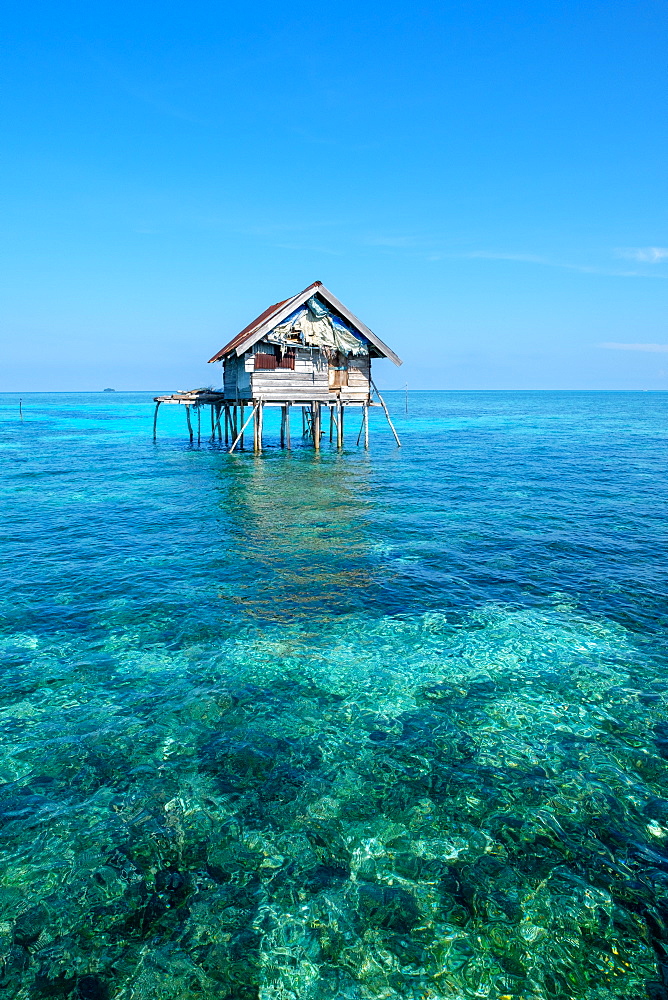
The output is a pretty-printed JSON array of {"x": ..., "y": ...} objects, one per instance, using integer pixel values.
[{"x": 316, "y": 326}]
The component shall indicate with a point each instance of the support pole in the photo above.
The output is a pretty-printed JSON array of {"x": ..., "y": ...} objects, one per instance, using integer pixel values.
[
  {"x": 190, "y": 426},
  {"x": 155, "y": 420},
  {"x": 241, "y": 421},
  {"x": 359, "y": 436},
  {"x": 303, "y": 421},
  {"x": 260, "y": 421},
  {"x": 366, "y": 424},
  {"x": 199, "y": 424},
  {"x": 219, "y": 408},
  {"x": 331, "y": 424},
  {"x": 283, "y": 427},
  {"x": 236, "y": 440},
  {"x": 287, "y": 425},
  {"x": 213, "y": 424},
  {"x": 382, "y": 403},
  {"x": 316, "y": 426},
  {"x": 339, "y": 425},
  {"x": 227, "y": 424}
]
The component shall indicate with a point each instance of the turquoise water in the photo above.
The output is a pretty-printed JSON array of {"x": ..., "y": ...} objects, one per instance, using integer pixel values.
[{"x": 360, "y": 725}]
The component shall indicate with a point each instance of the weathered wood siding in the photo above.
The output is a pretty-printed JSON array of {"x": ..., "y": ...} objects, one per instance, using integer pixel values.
[
  {"x": 359, "y": 374},
  {"x": 308, "y": 381},
  {"x": 236, "y": 380}
]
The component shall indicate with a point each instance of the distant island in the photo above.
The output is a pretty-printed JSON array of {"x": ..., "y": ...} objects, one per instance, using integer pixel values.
[{"x": 108, "y": 390}]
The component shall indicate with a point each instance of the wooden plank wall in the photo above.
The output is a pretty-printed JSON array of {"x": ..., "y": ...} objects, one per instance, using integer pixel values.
[
  {"x": 359, "y": 374},
  {"x": 236, "y": 380},
  {"x": 309, "y": 379}
]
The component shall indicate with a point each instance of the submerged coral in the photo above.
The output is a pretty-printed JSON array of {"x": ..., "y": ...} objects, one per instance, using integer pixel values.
[{"x": 403, "y": 807}]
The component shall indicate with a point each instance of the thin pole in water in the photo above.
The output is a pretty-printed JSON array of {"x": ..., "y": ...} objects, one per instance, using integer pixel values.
[
  {"x": 387, "y": 415},
  {"x": 21, "y": 409},
  {"x": 236, "y": 440},
  {"x": 406, "y": 397}
]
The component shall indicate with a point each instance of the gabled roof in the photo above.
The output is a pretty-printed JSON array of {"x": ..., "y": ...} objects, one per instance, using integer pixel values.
[{"x": 276, "y": 314}]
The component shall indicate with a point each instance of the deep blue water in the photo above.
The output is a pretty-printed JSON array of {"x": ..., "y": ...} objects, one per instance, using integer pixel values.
[{"x": 370, "y": 724}]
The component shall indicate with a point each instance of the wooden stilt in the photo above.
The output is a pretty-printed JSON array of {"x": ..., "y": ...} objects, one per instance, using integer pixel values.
[
  {"x": 359, "y": 436},
  {"x": 331, "y": 424},
  {"x": 227, "y": 424},
  {"x": 382, "y": 403},
  {"x": 392, "y": 427},
  {"x": 303, "y": 421},
  {"x": 155, "y": 421},
  {"x": 316, "y": 426},
  {"x": 190, "y": 426},
  {"x": 243, "y": 428},
  {"x": 199, "y": 424},
  {"x": 287, "y": 426},
  {"x": 213, "y": 424},
  {"x": 339, "y": 429},
  {"x": 260, "y": 427},
  {"x": 242, "y": 424},
  {"x": 366, "y": 425}
]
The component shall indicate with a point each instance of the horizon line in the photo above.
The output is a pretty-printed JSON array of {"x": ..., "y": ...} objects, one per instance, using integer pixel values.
[{"x": 403, "y": 389}]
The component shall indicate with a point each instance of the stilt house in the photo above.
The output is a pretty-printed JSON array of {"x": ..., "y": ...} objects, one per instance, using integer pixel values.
[{"x": 307, "y": 349}]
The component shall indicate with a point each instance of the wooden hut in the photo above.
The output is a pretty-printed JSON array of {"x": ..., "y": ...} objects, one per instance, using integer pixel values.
[{"x": 308, "y": 350}]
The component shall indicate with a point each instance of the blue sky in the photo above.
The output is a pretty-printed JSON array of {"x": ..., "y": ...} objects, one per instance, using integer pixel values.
[{"x": 484, "y": 184}]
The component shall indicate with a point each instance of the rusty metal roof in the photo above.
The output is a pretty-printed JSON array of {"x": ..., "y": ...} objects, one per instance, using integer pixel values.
[
  {"x": 275, "y": 314},
  {"x": 258, "y": 321}
]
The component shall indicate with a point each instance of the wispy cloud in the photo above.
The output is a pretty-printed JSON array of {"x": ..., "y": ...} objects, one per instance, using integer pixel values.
[
  {"x": 531, "y": 258},
  {"x": 390, "y": 241},
  {"x": 646, "y": 255},
  {"x": 525, "y": 258},
  {"x": 649, "y": 348},
  {"x": 309, "y": 249}
]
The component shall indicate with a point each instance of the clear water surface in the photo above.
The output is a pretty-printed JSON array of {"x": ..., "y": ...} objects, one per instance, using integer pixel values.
[{"x": 360, "y": 725}]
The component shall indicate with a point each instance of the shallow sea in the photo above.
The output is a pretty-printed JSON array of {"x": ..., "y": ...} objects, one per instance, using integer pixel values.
[{"x": 363, "y": 725}]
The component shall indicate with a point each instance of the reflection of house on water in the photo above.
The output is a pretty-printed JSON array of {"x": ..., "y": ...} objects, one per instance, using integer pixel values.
[
  {"x": 302, "y": 542},
  {"x": 308, "y": 351}
]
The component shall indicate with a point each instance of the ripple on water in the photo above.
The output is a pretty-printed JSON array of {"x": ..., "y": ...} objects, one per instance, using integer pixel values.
[
  {"x": 370, "y": 725},
  {"x": 406, "y": 806}
]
